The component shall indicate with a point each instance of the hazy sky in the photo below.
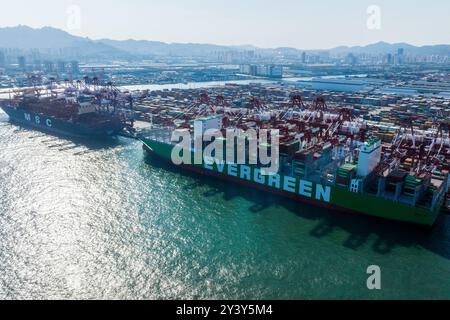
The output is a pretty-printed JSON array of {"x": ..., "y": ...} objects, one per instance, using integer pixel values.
[{"x": 303, "y": 24}]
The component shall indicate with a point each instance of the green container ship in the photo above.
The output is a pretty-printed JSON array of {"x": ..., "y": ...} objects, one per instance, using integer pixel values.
[{"x": 362, "y": 186}]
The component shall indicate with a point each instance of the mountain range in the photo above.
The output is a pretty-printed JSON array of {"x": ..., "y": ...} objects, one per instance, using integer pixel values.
[
  {"x": 48, "y": 38},
  {"x": 55, "y": 40}
]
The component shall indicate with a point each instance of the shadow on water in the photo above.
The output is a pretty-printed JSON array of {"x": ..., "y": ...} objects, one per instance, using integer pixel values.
[
  {"x": 383, "y": 236},
  {"x": 64, "y": 142}
]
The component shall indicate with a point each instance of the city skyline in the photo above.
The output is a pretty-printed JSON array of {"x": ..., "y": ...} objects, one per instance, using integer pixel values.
[{"x": 262, "y": 24}]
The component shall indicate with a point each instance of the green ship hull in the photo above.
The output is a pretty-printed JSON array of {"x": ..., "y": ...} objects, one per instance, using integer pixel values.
[{"x": 332, "y": 197}]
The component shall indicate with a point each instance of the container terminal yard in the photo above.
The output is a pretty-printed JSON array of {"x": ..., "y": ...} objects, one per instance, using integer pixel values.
[
  {"x": 389, "y": 161},
  {"x": 209, "y": 151},
  {"x": 381, "y": 155}
]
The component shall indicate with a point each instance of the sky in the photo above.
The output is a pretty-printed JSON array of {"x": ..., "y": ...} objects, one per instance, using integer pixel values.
[{"x": 303, "y": 24}]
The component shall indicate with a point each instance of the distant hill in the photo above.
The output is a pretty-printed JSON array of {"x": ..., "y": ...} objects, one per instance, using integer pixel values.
[
  {"x": 143, "y": 47},
  {"x": 161, "y": 48},
  {"x": 376, "y": 48},
  {"x": 23, "y": 37},
  {"x": 384, "y": 48},
  {"x": 47, "y": 38}
]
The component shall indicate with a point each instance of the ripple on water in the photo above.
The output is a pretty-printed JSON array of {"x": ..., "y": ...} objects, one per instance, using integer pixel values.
[{"x": 92, "y": 220}]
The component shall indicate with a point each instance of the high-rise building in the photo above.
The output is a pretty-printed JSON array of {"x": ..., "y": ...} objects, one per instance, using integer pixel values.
[
  {"x": 276, "y": 71},
  {"x": 351, "y": 59},
  {"x": 304, "y": 57},
  {"x": 400, "y": 56},
  {"x": 2, "y": 59},
  {"x": 262, "y": 70},
  {"x": 389, "y": 59},
  {"x": 75, "y": 68},
  {"x": 253, "y": 70},
  {"x": 37, "y": 65},
  {"x": 61, "y": 67},
  {"x": 272, "y": 71},
  {"x": 22, "y": 63},
  {"x": 48, "y": 67}
]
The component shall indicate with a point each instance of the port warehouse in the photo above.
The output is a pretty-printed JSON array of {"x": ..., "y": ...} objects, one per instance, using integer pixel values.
[{"x": 367, "y": 85}]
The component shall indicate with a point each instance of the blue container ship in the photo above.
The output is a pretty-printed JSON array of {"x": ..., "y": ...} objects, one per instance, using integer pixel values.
[{"x": 81, "y": 110}]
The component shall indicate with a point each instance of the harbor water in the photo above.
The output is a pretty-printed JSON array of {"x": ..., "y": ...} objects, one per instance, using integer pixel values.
[{"x": 101, "y": 220}]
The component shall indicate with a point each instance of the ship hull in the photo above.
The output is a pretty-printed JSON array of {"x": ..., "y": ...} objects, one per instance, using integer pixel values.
[
  {"x": 54, "y": 125},
  {"x": 334, "y": 198}
]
